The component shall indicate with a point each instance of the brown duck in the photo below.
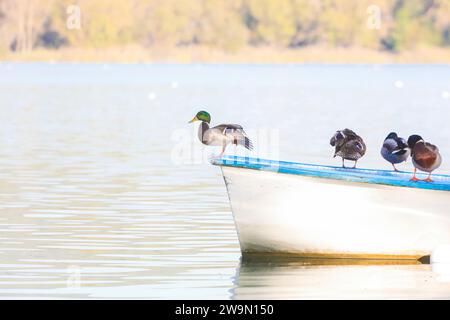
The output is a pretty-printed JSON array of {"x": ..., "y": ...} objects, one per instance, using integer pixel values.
[
  {"x": 425, "y": 156},
  {"x": 348, "y": 145}
]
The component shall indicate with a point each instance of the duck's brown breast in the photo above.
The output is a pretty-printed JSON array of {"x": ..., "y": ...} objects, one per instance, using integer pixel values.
[{"x": 424, "y": 156}]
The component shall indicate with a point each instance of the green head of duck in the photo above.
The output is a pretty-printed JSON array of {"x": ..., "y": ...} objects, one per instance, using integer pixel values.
[{"x": 201, "y": 116}]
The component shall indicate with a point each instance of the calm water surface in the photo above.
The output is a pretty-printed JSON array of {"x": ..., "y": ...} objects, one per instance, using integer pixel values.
[{"x": 104, "y": 193}]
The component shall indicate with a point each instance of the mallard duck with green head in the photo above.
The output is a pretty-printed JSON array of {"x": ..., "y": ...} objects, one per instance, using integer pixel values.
[
  {"x": 425, "y": 156},
  {"x": 221, "y": 135}
]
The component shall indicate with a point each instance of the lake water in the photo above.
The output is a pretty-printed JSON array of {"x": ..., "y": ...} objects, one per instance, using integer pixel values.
[{"x": 105, "y": 191}]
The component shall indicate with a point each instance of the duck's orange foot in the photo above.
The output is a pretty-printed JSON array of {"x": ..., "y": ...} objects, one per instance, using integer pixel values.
[
  {"x": 428, "y": 180},
  {"x": 414, "y": 179}
]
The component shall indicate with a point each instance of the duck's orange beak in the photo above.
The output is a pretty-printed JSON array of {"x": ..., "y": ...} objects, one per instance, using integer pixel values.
[{"x": 193, "y": 120}]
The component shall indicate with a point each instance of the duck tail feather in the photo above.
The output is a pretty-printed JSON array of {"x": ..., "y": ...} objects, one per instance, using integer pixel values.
[{"x": 248, "y": 144}]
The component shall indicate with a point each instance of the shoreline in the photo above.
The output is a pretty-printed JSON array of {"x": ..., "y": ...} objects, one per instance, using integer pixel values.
[{"x": 248, "y": 55}]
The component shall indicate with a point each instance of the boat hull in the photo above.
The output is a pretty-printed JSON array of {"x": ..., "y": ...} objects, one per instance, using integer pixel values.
[{"x": 326, "y": 218}]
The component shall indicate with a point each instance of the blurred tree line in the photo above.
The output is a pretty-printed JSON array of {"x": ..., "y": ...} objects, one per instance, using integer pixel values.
[{"x": 225, "y": 24}]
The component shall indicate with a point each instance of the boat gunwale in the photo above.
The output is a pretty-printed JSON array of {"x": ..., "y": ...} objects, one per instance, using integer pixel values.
[{"x": 369, "y": 176}]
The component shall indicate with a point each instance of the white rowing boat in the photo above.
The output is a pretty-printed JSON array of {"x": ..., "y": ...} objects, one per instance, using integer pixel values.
[{"x": 321, "y": 211}]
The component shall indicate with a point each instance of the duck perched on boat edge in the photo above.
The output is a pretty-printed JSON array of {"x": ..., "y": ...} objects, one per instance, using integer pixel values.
[
  {"x": 348, "y": 145},
  {"x": 221, "y": 135},
  {"x": 425, "y": 156},
  {"x": 395, "y": 149}
]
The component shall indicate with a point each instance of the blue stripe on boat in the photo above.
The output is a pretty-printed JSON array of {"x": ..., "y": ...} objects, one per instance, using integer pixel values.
[{"x": 386, "y": 177}]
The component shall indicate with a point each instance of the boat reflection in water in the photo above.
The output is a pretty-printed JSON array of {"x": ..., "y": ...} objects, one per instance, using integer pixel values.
[{"x": 267, "y": 277}]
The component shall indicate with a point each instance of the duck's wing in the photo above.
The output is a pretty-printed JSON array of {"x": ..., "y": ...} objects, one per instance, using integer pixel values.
[
  {"x": 224, "y": 127},
  {"x": 236, "y": 133},
  {"x": 359, "y": 145},
  {"x": 401, "y": 142},
  {"x": 343, "y": 137},
  {"x": 397, "y": 145},
  {"x": 431, "y": 147},
  {"x": 354, "y": 145},
  {"x": 349, "y": 133},
  {"x": 390, "y": 145},
  {"x": 401, "y": 147},
  {"x": 337, "y": 139}
]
